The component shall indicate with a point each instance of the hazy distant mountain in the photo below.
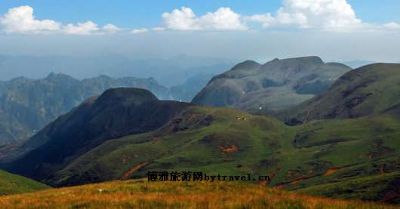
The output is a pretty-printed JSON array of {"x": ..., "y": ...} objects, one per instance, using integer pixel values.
[
  {"x": 275, "y": 85},
  {"x": 168, "y": 72},
  {"x": 191, "y": 87},
  {"x": 27, "y": 105}
]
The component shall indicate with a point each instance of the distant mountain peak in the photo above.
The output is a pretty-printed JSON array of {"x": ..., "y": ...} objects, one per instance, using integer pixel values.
[
  {"x": 308, "y": 59},
  {"x": 315, "y": 60},
  {"x": 20, "y": 79},
  {"x": 53, "y": 76},
  {"x": 248, "y": 64},
  {"x": 132, "y": 95}
]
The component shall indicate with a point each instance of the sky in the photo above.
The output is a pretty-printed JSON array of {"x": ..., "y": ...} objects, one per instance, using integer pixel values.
[
  {"x": 337, "y": 30},
  {"x": 133, "y": 13}
]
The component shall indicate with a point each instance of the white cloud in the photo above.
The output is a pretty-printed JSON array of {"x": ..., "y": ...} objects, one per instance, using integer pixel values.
[
  {"x": 265, "y": 19},
  {"x": 110, "y": 28},
  {"x": 185, "y": 19},
  {"x": 222, "y": 19},
  {"x": 181, "y": 19},
  {"x": 21, "y": 20},
  {"x": 328, "y": 15},
  {"x": 85, "y": 28},
  {"x": 323, "y": 14},
  {"x": 140, "y": 30}
]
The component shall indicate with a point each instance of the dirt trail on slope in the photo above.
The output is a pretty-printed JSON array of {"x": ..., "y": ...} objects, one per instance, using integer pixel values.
[{"x": 132, "y": 170}]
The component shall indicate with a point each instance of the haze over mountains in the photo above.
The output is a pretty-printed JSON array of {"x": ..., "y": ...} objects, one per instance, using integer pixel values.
[
  {"x": 168, "y": 72},
  {"x": 273, "y": 86}
]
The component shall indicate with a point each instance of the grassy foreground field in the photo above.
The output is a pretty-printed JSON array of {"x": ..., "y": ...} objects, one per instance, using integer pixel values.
[{"x": 185, "y": 195}]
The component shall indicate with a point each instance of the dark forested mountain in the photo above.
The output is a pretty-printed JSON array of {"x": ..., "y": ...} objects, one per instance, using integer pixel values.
[
  {"x": 27, "y": 105},
  {"x": 275, "y": 85},
  {"x": 116, "y": 113},
  {"x": 368, "y": 90}
]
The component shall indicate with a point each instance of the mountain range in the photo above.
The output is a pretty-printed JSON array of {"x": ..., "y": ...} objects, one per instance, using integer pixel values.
[
  {"x": 27, "y": 105},
  {"x": 342, "y": 142},
  {"x": 167, "y": 71}
]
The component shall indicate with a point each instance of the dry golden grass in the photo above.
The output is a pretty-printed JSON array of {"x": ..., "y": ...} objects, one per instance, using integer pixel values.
[{"x": 142, "y": 195}]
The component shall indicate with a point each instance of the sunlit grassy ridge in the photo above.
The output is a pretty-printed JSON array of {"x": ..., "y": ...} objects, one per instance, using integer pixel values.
[
  {"x": 13, "y": 184},
  {"x": 185, "y": 195}
]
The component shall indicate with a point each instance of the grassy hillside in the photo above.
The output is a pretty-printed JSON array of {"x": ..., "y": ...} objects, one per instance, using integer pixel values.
[
  {"x": 353, "y": 158},
  {"x": 13, "y": 184},
  {"x": 171, "y": 195},
  {"x": 369, "y": 90},
  {"x": 319, "y": 155},
  {"x": 201, "y": 138}
]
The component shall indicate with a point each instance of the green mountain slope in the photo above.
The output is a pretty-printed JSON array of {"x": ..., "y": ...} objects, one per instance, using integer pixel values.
[
  {"x": 207, "y": 139},
  {"x": 14, "y": 184},
  {"x": 318, "y": 157},
  {"x": 276, "y": 85},
  {"x": 344, "y": 158},
  {"x": 369, "y": 90}
]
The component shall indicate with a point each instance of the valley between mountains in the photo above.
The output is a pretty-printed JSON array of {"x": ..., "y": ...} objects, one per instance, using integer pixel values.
[{"x": 315, "y": 128}]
